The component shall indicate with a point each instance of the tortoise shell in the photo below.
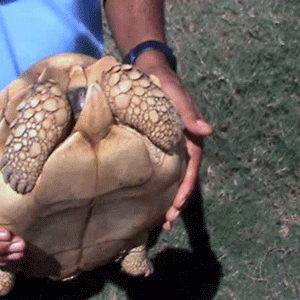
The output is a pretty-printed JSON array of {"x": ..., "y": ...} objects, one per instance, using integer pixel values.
[{"x": 92, "y": 155}]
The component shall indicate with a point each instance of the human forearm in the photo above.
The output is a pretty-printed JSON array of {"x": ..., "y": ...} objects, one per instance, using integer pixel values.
[{"x": 135, "y": 21}]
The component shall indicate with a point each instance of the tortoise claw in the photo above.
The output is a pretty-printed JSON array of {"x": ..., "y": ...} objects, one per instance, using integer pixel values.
[
  {"x": 21, "y": 182},
  {"x": 3, "y": 162},
  {"x": 6, "y": 173},
  {"x": 20, "y": 186}
]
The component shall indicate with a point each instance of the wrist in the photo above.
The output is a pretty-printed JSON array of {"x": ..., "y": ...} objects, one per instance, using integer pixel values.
[
  {"x": 151, "y": 53},
  {"x": 150, "y": 60}
]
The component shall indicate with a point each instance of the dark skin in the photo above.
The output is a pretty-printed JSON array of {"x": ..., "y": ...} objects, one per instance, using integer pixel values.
[{"x": 133, "y": 22}]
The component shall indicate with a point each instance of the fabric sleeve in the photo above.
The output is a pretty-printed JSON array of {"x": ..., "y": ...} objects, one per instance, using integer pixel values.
[{"x": 31, "y": 30}]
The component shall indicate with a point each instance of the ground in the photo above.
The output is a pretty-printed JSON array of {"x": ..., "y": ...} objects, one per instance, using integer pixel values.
[{"x": 240, "y": 60}]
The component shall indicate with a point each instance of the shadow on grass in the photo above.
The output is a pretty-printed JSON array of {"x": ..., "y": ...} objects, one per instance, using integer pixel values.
[{"x": 178, "y": 274}]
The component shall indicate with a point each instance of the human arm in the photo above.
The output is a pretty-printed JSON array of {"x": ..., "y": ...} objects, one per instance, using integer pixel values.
[{"x": 133, "y": 22}]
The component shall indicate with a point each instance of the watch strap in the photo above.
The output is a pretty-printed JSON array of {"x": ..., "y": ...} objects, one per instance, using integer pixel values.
[{"x": 151, "y": 45}]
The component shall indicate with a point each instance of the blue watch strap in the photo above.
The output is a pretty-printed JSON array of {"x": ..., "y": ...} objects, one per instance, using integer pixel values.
[{"x": 151, "y": 45}]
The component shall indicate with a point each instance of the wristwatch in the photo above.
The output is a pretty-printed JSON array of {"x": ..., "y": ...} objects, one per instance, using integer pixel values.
[{"x": 151, "y": 45}]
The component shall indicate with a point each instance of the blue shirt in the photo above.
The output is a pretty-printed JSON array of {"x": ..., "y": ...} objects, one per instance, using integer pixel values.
[{"x": 31, "y": 30}]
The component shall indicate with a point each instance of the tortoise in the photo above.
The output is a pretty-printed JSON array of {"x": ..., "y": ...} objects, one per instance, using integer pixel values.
[{"x": 92, "y": 155}]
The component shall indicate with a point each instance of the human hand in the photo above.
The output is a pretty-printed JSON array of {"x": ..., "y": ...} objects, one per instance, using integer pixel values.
[
  {"x": 196, "y": 128},
  {"x": 11, "y": 247}
]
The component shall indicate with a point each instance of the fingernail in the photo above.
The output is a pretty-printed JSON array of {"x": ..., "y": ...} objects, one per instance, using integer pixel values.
[
  {"x": 4, "y": 235},
  {"x": 205, "y": 126},
  {"x": 15, "y": 256},
  {"x": 203, "y": 123},
  {"x": 16, "y": 247},
  {"x": 167, "y": 227}
]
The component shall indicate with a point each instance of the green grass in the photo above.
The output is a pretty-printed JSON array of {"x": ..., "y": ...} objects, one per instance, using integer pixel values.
[{"x": 241, "y": 61}]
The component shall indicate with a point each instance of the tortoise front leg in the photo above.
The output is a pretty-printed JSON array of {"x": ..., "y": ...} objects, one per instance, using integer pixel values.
[
  {"x": 138, "y": 101},
  {"x": 42, "y": 120}
]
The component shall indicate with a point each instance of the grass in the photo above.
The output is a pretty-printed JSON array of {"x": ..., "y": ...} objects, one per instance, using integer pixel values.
[{"x": 241, "y": 61}]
